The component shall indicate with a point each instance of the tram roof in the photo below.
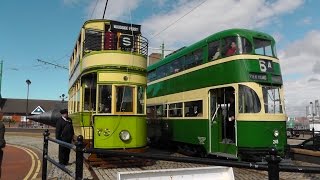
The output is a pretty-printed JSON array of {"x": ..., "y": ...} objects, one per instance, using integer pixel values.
[
  {"x": 96, "y": 20},
  {"x": 222, "y": 34}
]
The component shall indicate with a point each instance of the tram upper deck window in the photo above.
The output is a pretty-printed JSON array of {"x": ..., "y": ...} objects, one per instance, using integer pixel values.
[
  {"x": 93, "y": 40},
  {"x": 248, "y": 100},
  {"x": 272, "y": 100},
  {"x": 214, "y": 50},
  {"x": 193, "y": 59},
  {"x": 245, "y": 46},
  {"x": 229, "y": 46},
  {"x": 262, "y": 47},
  {"x": 152, "y": 75},
  {"x": 124, "y": 99},
  {"x": 162, "y": 71}
]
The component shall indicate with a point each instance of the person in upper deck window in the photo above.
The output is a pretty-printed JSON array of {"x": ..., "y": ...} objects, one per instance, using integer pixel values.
[
  {"x": 216, "y": 55},
  {"x": 232, "y": 49}
]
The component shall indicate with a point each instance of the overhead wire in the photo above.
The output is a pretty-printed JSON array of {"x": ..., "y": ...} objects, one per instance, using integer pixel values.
[
  {"x": 105, "y": 8},
  {"x": 94, "y": 9},
  {"x": 178, "y": 19}
]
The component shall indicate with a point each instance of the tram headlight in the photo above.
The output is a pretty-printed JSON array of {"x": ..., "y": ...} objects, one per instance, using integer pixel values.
[
  {"x": 276, "y": 133},
  {"x": 124, "y": 135}
]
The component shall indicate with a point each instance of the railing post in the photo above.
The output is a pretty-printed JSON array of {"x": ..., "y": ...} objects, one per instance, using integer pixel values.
[
  {"x": 79, "y": 157},
  {"x": 273, "y": 164},
  {"x": 45, "y": 154}
]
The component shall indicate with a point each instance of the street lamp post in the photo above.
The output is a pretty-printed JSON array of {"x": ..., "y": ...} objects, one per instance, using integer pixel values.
[
  {"x": 62, "y": 97},
  {"x": 305, "y": 125},
  {"x": 27, "y": 108},
  {"x": 312, "y": 114}
]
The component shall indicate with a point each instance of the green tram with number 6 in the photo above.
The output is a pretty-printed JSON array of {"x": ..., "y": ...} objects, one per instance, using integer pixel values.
[
  {"x": 107, "y": 85},
  {"x": 189, "y": 97}
]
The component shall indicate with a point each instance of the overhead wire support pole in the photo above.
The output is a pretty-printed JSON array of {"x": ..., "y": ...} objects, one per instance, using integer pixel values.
[
  {"x": 105, "y": 7},
  {"x": 56, "y": 65}
]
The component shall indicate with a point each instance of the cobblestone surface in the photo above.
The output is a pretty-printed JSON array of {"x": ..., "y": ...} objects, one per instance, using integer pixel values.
[{"x": 111, "y": 174}]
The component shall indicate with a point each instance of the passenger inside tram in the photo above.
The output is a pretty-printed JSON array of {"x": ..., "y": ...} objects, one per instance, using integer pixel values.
[{"x": 232, "y": 49}]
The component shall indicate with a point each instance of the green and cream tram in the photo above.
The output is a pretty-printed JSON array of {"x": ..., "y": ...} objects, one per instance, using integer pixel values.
[{"x": 188, "y": 96}]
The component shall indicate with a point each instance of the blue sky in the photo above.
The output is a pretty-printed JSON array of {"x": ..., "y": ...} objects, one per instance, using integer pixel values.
[{"x": 47, "y": 30}]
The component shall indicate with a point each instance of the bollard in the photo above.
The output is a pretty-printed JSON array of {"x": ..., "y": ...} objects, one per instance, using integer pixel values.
[
  {"x": 273, "y": 164},
  {"x": 79, "y": 157},
  {"x": 45, "y": 154}
]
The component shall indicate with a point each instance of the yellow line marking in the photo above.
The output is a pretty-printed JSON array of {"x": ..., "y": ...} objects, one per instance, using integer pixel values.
[
  {"x": 35, "y": 162},
  {"x": 38, "y": 163}
]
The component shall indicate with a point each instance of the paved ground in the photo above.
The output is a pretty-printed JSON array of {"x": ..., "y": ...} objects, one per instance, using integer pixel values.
[
  {"x": 20, "y": 163},
  {"x": 55, "y": 173}
]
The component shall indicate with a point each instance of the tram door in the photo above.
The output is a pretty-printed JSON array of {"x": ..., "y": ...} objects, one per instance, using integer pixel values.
[{"x": 221, "y": 125}]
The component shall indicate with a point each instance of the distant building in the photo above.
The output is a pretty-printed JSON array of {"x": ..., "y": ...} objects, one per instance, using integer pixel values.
[
  {"x": 153, "y": 58},
  {"x": 13, "y": 111}
]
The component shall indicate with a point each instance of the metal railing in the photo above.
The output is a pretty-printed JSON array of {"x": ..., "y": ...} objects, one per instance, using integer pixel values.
[
  {"x": 273, "y": 165},
  {"x": 99, "y": 43},
  {"x": 79, "y": 156}
]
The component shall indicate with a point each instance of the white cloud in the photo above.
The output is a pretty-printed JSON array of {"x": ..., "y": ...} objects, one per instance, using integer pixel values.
[
  {"x": 299, "y": 93},
  {"x": 305, "y": 21},
  {"x": 213, "y": 16},
  {"x": 302, "y": 55},
  {"x": 301, "y": 59},
  {"x": 116, "y": 10},
  {"x": 210, "y": 17},
  {"x": 311, "y": 41},
  {"x": 160, "y": 2},
  {"x": 71, "y": 2},
  {"x": 277, "y": 37}
]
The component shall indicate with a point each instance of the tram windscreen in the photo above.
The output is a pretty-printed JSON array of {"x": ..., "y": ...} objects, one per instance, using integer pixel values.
[
  {"x": 124, "y": 99},
  {"x": 272, "y": 100},
  {"x": 248, "y": 100},
  {"x": 262, "y": 47}
]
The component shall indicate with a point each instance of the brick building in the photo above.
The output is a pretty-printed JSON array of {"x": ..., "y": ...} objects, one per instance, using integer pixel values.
[{"x": 13, "y": 111}]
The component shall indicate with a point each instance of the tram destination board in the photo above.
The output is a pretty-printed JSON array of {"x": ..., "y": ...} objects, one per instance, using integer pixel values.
[{"x": 258, "y": 77}]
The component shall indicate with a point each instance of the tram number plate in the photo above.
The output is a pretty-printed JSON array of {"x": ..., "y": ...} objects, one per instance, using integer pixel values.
[
  {"x": 275, "y": 141},
  {"x": 265, "y": 65}
]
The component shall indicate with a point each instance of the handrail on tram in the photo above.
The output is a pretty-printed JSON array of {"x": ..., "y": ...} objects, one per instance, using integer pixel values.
[{"x": 215, "y": 114}]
